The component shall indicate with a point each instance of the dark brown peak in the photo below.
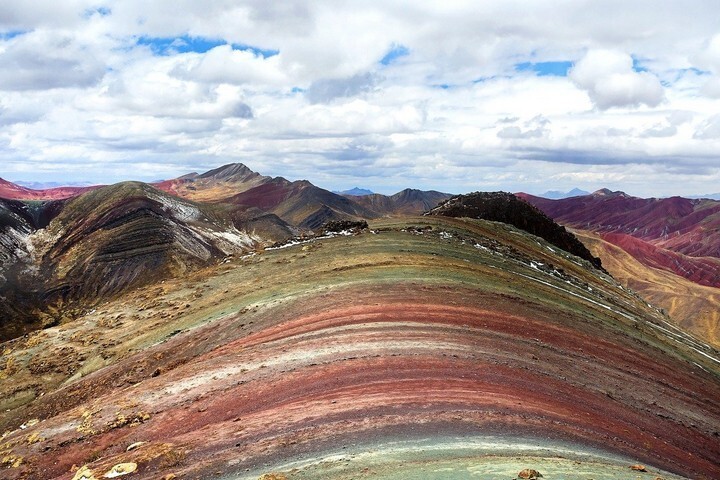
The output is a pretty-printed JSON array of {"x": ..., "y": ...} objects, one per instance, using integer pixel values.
[
  {"x": 407, "y": 194},
  {"x": 229, "y": 171},
  {"x": 413, "y": 194},
  {"x": 189, "y": 176},
  {"x": 280, "y": 181}
]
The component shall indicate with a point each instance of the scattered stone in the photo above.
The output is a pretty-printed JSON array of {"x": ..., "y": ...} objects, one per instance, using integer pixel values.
[
  {"x": 12, "y": 461},
  {"x": 84, "y": 474},
  {"x": 135, "y": 445},
  {"x": 638, "y": 468},
  {"x": 34, "y": 438},
  {"x": 29, "y": 423},
  {"x": 134, "y": 419},
  {"x": 336, "y": 226},
  {"x": 273, "y": 476},
  {"x": 529, "y": 474},
  {"x": 121, "y": 469}
]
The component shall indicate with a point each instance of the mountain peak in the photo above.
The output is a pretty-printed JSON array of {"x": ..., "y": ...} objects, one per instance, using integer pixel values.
[
  {"x": 557, "y": 194},
  {"x": 230, "y": 172},
  {"x": 606, "y": 192},
  {"x": 356, "y": 192}
]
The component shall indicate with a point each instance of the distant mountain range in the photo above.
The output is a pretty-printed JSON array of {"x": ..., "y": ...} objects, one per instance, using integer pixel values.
[
  {"x": 677, "y": 234},
  {"x": 556, "y": 194},
  {"x": 77, "y": 232},
  {"x": 12, "y": 191},
  {"x": 49, "y": 185},
  {"x": 356, "y": 191},
  {"x": 711, "y": 196}
]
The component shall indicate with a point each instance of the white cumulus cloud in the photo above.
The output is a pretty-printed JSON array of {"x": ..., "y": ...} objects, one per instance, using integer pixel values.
[{"x": 610, "y": 81}]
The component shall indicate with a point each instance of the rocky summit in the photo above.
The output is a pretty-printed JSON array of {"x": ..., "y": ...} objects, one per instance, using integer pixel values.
[{"x": 507, "y": 208}]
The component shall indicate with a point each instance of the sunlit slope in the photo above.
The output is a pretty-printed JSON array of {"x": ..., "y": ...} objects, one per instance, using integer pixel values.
[
  {"x": 428, "y": 348},
  {"x": 694, "y": 307}
]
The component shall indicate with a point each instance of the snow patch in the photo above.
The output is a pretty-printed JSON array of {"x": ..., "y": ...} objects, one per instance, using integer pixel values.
[
  {"x": 181, "y": 210},
  {"x": 231, "y": 240}
]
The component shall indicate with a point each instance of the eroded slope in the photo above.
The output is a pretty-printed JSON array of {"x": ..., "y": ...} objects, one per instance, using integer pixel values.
[{"x": 424, "y": 349}]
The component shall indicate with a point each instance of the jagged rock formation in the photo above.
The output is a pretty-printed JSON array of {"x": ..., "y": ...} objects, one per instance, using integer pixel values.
[{"x": 507, "y": 208}]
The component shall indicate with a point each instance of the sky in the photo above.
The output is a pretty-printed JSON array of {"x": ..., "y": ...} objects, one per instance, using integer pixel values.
[{"x": 454, "y": 96}]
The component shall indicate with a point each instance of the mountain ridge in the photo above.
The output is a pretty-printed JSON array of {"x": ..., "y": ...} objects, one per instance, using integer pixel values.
[{"x": 414, "y": 346}]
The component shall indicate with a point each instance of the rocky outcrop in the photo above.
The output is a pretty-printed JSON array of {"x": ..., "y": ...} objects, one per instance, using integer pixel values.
[{"x": 507, "y": 208}]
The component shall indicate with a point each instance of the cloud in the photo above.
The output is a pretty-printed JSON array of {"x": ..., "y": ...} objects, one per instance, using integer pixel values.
[
  {"x": 534, "y": 128},
  {"x": 331, "y": 91},
  {"x": 711, "y": 88},
  {"x": 709, "y": 129},
  {"x": 610, "y": 81},
  {"x": 327, "y": 90},
  {"x": 224, "y": 64},
  {"x": 42, "y": 59},
  {"x": 660, "y": 131},
  {"x": 26, "y": 16}
]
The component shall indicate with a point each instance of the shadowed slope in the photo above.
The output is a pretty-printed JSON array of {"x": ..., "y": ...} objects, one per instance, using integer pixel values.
[
  {"x": 301, "y": 203},
  {"x": 422, "y": 349},
  {"x": 406, "y": 202}
]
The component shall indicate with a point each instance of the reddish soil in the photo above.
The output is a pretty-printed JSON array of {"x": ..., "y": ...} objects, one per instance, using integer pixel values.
[
  {"x": 12, "y": 191},
  {"x": 703, "y": 270},
  {"x": 266, "y": 196},
  {"x": 675, "y": 234},
  {"x": 360, "y": 362}
]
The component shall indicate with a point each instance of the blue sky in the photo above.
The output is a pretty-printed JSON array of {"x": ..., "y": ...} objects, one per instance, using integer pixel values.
[
  {"x": 541, "y": 69},
  {"x": 512, "y": 95},
  {"x": 167, "y": 46}
]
